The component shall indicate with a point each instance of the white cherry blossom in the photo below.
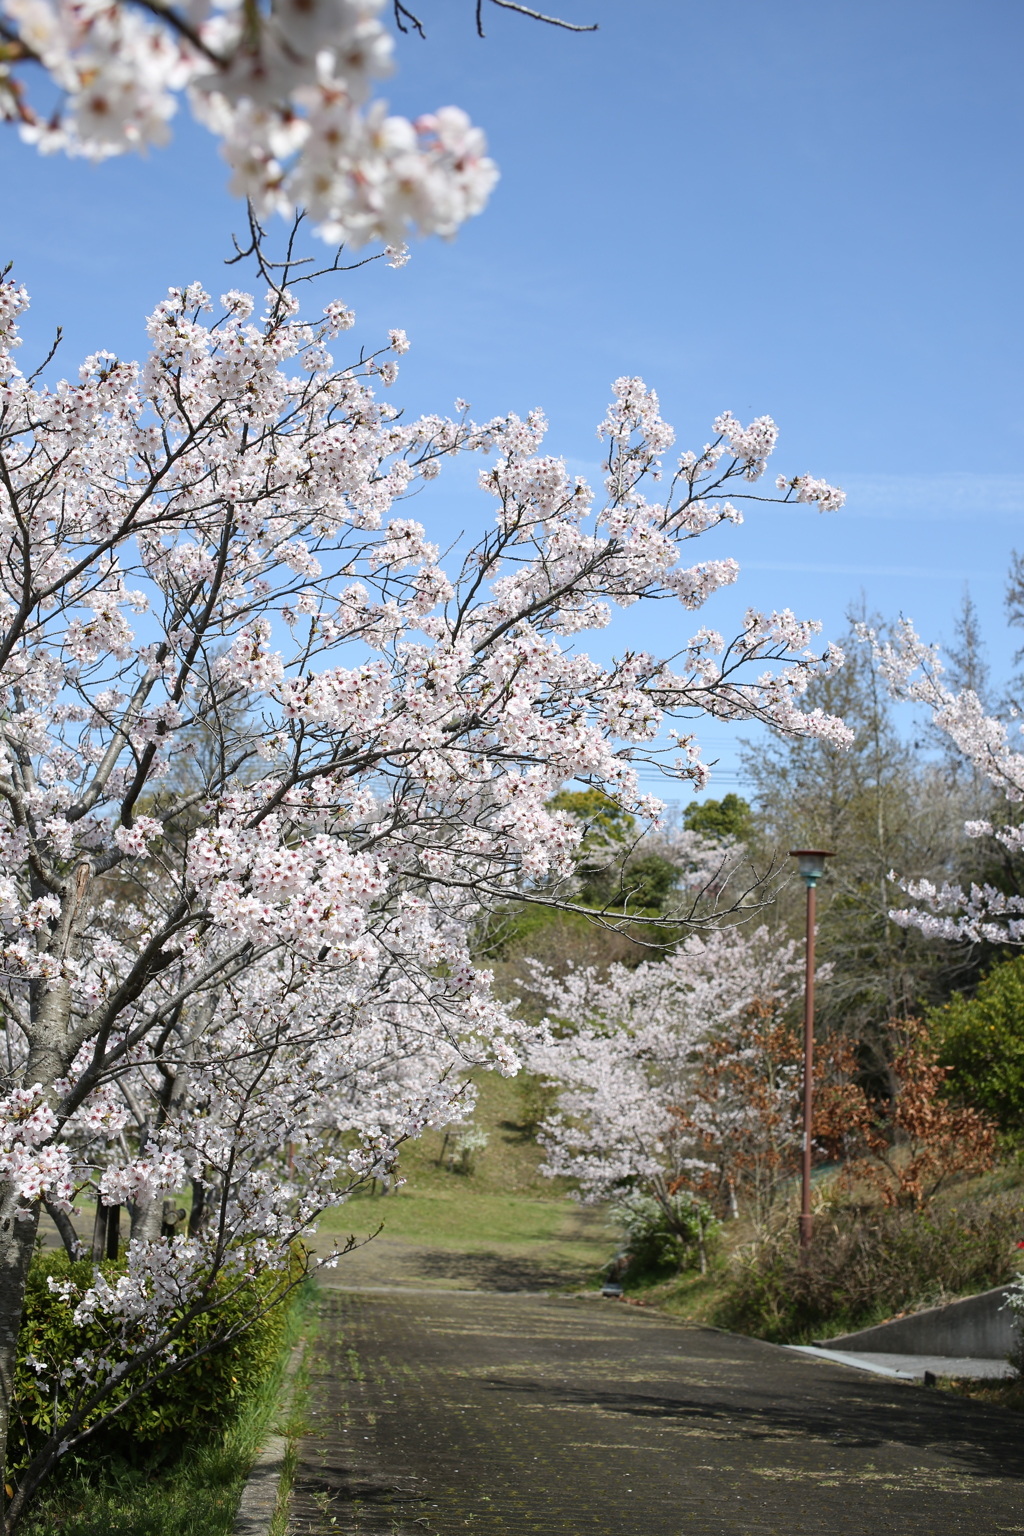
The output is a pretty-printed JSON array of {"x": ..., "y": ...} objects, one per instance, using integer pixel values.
[
  {"x": 286, "y": 88},
  {"x": 982, "y": 913},
  {"x": 624, "y": 1050}
]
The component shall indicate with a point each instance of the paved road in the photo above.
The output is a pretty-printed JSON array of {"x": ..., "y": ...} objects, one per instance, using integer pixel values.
[{"x": 446, "y": 1413}]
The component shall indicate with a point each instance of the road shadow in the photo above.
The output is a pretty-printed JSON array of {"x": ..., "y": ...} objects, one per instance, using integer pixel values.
[
  {"x": 983, "y": 1441},
  {"x": 490, "y": 1271}
]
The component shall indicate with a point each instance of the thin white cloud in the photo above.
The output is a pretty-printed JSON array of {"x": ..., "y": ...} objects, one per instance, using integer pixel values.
[
  {"x": 924, "y": 572},
  {"x": 952, "y": 494}
]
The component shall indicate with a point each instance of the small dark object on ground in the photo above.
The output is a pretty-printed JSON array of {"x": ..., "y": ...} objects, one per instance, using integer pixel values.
[
  {"x": 930, "y": 1379},
  {"x": 612, "y": 1290}
]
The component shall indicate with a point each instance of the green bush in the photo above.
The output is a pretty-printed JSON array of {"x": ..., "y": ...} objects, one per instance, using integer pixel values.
[
  {"x": 864, "y": 1266},
  {"x": 202, "y": 1396},
  {"x": 729, "y": 817},
  {"x": 654, "y": 1242},
  {"x": 982, "y": 1040}
]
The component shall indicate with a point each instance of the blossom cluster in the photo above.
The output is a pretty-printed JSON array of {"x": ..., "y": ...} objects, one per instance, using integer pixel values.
[
  {"x": 623, "y": 1050},
  {"x": 286, "y": 89},
  {"x": 982, "y": 913}
]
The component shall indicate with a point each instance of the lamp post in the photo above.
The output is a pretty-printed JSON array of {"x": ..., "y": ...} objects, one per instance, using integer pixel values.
[{"x": 811, "y": 864}]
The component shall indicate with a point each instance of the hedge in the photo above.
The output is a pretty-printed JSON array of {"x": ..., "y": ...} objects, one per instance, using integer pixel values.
[{"x": 202, "y": 1396}]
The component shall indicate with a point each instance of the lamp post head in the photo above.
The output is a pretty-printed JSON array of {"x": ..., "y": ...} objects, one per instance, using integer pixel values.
[{"x": 811, "y": 863}]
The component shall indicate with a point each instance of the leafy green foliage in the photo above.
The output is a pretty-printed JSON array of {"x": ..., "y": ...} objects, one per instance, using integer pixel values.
[
  {"x": 200, "y": 1397},
  {"x": 866, "y": 1265},
  {"x": 601, "y": 814},
  {"x": 659, "y": 1242},
  {"x": 729, "y": 817},
  {"x": 192, "y": 1492},
  {"x": 982, "y": 1040},
  {"x": 642, "y": 884},
  {"x": 647, "y": 882}
]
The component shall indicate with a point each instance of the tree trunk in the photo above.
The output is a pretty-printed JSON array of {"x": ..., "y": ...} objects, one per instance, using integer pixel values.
[
  {"x": 148, "y": 1217},
  {"x": 147, "y": 1220},
  {"x": 48, "y": 1045},
  {"x": 99, "y": 1232},
  {"x": 113, "y": 1231},
  {"x": 68, "y": 1235},
  {"x": 17, "y": 1242},
  {"x": 195, "y": 1220}
]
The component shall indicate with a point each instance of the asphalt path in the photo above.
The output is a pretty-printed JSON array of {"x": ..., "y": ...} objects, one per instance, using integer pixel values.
[{"x": 435, "y": 1412}]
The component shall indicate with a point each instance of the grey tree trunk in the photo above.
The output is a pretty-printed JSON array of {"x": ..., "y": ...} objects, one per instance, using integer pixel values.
[
  {"x": 19, "y": 1221},
  {"x": 17, "y": 1241},
  {"x": 198, "y": 1211},
  {"x": 147, "y": 1219},
  {"x": 68, "y": 1236},
  {"x": 99, "y": 1232}
]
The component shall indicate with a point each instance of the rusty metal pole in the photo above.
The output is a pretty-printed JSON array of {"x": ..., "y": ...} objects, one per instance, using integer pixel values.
[
  {"x": 805, "y": 1202},
  {"x": 811, "y": 863}
]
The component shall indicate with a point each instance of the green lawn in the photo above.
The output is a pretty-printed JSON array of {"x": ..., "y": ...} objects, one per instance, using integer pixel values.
[
  {"x": 466, "y": 1218},
  {"x": 504, "y": 1208}
]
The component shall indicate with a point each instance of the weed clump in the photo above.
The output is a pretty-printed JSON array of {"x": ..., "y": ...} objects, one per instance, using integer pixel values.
[
  {"x": 662, "y": 1237},
  {"x": 867, "y": 1264}
]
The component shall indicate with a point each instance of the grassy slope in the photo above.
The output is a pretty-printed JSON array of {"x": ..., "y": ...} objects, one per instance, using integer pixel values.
[
  {"x": 439, "y": 1226},
  {"x": 503, "y": 1208},
  {"x": 696, "y": 1298}
]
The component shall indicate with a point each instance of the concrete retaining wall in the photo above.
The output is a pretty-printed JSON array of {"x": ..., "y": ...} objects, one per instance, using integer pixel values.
[{"x": 978, "y": 1326}]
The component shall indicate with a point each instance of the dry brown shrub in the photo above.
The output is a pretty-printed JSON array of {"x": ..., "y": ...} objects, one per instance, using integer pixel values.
[{"x": 907, "y": 1143}]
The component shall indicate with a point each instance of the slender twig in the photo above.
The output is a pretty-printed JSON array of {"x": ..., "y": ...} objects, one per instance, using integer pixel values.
[
  {"x": 524, "y": 10},
  {"x": 414, "y": 21},
  {"x": 49, "y": 356},
  {"x": 282, "y": 274}
]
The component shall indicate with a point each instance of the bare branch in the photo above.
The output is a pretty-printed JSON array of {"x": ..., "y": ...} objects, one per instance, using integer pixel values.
[{"x": 554, "y": 21}]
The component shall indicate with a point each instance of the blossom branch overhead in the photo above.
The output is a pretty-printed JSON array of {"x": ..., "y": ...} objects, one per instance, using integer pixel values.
[{"x": 287, "y": 88}]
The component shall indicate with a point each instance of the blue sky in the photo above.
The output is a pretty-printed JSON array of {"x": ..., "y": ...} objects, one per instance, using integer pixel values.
[{"x": 811, "y": 210}]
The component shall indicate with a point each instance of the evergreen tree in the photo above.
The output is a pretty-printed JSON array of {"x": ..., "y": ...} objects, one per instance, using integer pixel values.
[{"x": 879, "y": 805}]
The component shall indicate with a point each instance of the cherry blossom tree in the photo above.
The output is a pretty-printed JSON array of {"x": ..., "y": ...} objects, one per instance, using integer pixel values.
[
  {"x": 265, "y": 763},
  {"x": 982, "y": 913},
  {"x": 277, "y": 1095},
  {"x": 286, "y": 87},
  {"x": 638, "y": 1108}
]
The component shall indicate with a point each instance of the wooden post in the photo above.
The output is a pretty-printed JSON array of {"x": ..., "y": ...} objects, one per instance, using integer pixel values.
[
  {"x": 113, "y": 1230},
  {"x": 99, "y": 1232}
]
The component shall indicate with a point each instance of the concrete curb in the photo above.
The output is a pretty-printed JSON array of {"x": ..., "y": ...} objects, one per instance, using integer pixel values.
[
  {"x": 981, "y": 1326},
  {"x": 258, "y": 1504},
  {"x": 836, "y": 1357},
  {"x": 914, "y": 1367}
]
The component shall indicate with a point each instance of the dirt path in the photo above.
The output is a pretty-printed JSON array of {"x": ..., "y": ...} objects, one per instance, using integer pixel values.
[{"x": 444, "y": 1413}]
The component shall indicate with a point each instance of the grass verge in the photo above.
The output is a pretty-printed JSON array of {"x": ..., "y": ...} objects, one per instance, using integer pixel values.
[
  {"x": 997, "y": 1394},
  {"x": 291, "y": 1421},
  {"x": 866, "y": 1266},
  {"x": 195, "y": 1493}
]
